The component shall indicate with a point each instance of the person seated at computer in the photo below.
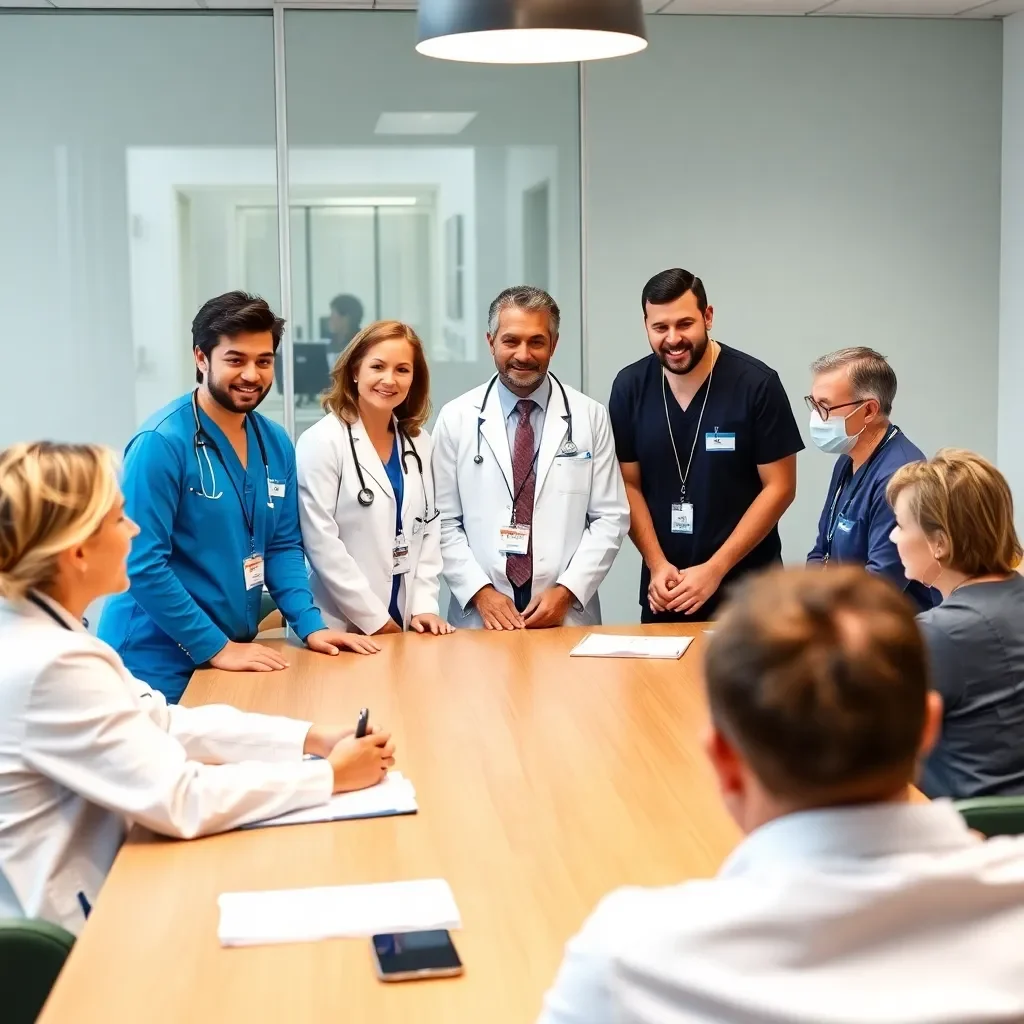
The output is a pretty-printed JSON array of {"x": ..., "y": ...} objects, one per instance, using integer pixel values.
[
  {"x": 370, "y": 527},
  {"x": 84, "y": 746},
  {"x": 344, "y": 322},
  {"x": 847, "y": 902},
  {"x": 954, "y": 531}
]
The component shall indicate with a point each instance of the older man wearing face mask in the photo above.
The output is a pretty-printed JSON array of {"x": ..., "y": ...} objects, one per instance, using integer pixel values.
[{"x": 851, "y": 402}]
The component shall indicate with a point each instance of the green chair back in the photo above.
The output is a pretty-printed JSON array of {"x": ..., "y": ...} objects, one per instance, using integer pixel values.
[
  {"x": 994, "y": 815},
  {"x": 32, "y": 954}
]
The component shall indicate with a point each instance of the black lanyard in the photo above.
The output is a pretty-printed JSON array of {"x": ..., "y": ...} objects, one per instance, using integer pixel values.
[{"x": 854, "y": 482}]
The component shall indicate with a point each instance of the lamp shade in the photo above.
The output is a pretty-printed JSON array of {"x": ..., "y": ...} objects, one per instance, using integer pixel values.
[{"x": 530, "y": 31}]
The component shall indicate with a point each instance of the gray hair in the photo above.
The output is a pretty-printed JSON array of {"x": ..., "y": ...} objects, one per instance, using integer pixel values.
[
  {"x": 527, "y": 298},
  {"x": 870, "y": 375}
]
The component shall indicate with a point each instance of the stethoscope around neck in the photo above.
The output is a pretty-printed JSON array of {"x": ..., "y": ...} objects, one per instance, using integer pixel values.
[
  {"x": 365, "y": 495},
  {"x": 568, "y": 449},
  {"x": 201, "y": 441}
]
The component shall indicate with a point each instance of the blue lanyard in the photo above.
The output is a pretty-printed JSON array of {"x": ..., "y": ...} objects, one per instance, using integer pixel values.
[{"x": 854, "y": 482}]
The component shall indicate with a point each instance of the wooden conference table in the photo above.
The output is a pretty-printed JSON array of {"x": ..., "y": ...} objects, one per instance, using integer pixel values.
[{"x": 543, "y": 782}]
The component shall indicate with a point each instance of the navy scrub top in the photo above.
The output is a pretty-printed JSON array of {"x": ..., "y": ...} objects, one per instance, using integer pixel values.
[
  {"x": 860, "y": 519},
  {"x": 747, "y": 405}
]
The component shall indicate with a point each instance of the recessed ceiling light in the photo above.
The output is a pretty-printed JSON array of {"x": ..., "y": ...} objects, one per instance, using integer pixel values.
[
  {"x": 530, "y": 31},
  {"x": 423, "y": 122}
]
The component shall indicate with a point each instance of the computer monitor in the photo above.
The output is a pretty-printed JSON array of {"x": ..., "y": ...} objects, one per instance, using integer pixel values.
[{"x": 312, "y": 370}]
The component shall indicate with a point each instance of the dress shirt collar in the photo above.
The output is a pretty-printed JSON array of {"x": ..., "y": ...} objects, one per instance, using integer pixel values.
[
  {"x": 541, "y": 393},
  {"x": 852, "y": 833}
]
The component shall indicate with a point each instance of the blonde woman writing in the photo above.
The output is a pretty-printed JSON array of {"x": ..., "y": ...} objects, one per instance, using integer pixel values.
[{"x": 85, "y": 748}]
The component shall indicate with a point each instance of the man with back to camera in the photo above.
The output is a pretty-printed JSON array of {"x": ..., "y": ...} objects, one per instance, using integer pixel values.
[
  {"x": 848, "y": 902},
  {"x": 532, "y": 505},
  {"x": 707, "y": 443},
  {"x": 211, "y": 484},
  {"x": 850, "y": 402}
]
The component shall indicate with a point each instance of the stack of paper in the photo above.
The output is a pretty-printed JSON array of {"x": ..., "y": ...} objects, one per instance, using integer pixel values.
[
  {"x": 395, "y": 795},
  {"x": 607, "y": 645},
  {"x": 344, "y": 911}
]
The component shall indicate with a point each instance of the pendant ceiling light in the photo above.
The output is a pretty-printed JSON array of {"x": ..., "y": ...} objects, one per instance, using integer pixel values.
[{"x": 530, "y": 31}]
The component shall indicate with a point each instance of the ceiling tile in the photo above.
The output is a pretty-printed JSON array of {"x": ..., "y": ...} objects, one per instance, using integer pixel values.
[
  {"x": 25, "y": 3},
  {"x": 655, "y": 6},
  {"x": 215, "y": 5},
  {"x": 895, "y": 8},
  {"x": 741, "y": 6},
  {"x": 122, "y": 4}
]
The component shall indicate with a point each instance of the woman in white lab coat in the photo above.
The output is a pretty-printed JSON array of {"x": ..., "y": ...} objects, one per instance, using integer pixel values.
[
  {"x": 366, "y": 493},
  {"x": 85, "y": 748}
]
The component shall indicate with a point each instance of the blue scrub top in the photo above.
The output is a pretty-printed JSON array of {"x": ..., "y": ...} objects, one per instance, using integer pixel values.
[
  {"x": 747, "y": 406},
  {"x": 187, "y": 595},
  {"x": 396, "y": 476},
  {"x": 861, "y": 520}
]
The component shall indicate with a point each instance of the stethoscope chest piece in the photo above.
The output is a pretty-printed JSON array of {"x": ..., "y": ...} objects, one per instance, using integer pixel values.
[
  {"x": 478, "y": 460},
  {"x": 365, "y": 497}
]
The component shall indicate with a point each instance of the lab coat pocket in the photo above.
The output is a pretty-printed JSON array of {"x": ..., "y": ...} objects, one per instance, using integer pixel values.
[{"x": 573, "y": 476}]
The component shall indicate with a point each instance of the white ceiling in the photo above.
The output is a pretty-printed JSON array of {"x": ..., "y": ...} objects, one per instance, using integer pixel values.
[{"x": 848, "y": 8}]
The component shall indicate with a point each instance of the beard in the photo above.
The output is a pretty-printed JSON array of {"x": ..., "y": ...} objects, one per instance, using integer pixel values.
[
  {"x": 529, "y": 377},
  {"x": 696, "y": 354},
  {"x": 226, "y": 399}
]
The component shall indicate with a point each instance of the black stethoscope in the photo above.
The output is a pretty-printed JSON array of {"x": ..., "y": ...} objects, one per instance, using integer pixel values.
[
  {"x": 365, "y": 496},
  {"x": 568, "y": 449},
  {"x": 44, "y": 607},
  {"x": 202, "y": 441}
]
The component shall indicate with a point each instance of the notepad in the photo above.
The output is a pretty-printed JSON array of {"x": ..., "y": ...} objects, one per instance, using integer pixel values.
[
  {"x": 608, "y": 645},
  {"x": 344, "y": 911},
  {"x": 395, "y": 795}
]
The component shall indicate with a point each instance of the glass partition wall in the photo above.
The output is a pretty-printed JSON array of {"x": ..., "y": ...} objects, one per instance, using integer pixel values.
[{"x": 417, "y": 189}]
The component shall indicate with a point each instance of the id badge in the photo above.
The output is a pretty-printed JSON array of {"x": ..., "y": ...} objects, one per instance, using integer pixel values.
[
  {"x": 400, "y": 556},
  {"x": 514, "y": 540},
  {"x": 253, "y": 569},
  {"x": 276, "y": 488},
  {"x": 717, "y": 442},
  {"x": 682, "y": 517}
]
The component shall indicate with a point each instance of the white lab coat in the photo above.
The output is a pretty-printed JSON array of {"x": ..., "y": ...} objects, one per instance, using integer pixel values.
[
  {"x": 86, "y": 749},
  {"x": 350, "y": 546},
  {"x": 580, "y": 512}
]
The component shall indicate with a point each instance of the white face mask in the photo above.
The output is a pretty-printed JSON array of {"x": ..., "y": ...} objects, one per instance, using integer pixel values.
[{"x": 830, "y": 435}]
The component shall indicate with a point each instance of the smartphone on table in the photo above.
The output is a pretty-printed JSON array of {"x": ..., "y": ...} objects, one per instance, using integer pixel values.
[{"x": 411, "y": 956}]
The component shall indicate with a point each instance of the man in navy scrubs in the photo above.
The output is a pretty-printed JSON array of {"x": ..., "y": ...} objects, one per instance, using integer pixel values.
[
  {"x": 851, "y": 401},
  {"x": 707, "y": 443}
]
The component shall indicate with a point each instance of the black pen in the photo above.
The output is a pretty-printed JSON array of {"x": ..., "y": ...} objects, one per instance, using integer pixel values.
[{"x": 364, "y": 721}]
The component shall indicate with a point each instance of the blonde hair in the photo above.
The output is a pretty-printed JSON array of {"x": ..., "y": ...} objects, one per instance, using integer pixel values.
[
  {"x": 52, "y": 497},
  {"x": 963, "y": 497},
  {"x": 342, "y": 398}
]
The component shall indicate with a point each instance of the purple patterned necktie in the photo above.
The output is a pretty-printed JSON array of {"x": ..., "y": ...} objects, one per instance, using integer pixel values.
[{"x": 519, "y": 568}]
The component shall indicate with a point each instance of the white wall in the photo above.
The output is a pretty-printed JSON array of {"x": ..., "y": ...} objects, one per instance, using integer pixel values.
[
  {"x": 834, "y": 182},
  {"x": 1011, "y": 290}
]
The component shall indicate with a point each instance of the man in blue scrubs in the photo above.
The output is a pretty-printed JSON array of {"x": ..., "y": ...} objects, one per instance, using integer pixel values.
[
  {"x": 211, "y": 484},
  {"x": 707, "y": 442},
  {"x": 851, "y": 401}
]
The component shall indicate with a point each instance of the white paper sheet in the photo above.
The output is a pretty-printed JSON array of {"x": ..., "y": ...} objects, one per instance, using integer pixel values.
[
  {"x": 609, "y": 645},
  {"x": 345, "y": 911},
  {"x": 395, "y": 795}
]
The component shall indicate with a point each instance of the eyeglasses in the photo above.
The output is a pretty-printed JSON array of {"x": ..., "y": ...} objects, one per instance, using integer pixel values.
[{"x": 824, "y": 411}]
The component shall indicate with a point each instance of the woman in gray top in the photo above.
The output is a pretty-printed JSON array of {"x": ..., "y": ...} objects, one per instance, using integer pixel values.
[{"x": 954, "y": 531}]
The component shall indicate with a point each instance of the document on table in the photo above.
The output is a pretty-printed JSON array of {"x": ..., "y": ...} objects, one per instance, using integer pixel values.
[
  {"x": 608, "y": 645},
  {"x": 344, "y": 911},
  {"x": 395, "y": 795}
]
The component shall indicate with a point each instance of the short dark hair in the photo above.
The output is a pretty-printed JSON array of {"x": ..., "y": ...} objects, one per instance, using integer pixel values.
[
  {"x": 349, "y": 306},
  {"x": 820, "y": 680},
  {"x": 229, "y": 315},
  {"x": 670, "y": 285}
]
